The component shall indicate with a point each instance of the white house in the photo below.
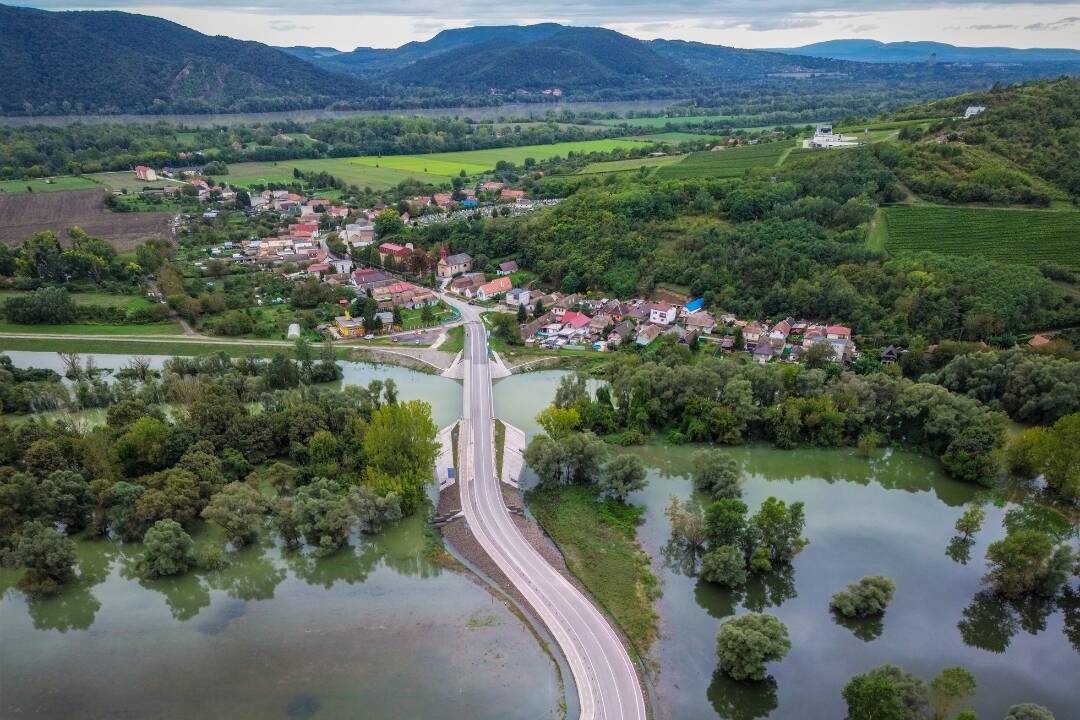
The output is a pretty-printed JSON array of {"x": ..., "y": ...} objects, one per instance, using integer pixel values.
[
  {"x": 519, "y": 296},
  {"x": 973, "y": 110},
  {"x": 662, "y": 313},
  {"x": 824, "y": 137}
]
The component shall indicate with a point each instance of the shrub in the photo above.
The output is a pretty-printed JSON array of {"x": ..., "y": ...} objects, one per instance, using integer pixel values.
[{"x": 867, "y": 597}]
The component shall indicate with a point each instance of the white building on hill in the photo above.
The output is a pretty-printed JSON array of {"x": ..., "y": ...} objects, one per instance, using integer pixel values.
[{"x": 824, "y": 137}]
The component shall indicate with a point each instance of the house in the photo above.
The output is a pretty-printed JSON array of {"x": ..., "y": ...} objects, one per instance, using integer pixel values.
[
  {"x": 318, "y": 269},
  {"x": 294, "y": 331},
  {"x": 492, "y": 186},
  {"x": 973, "y": 110},
  {"x": 727, "y": 343},
  {"x": 498, "y": 286},
  {"x": 510, "y": 266},
  {"x": 599, "y": 324},
  {"x": 574, "y": 321},
  {"x": 662, "y": 313},
  {"x": 1039, "y": 341},
  {"x": 779, "y": 334},
  {"x": 838, "y": 332},
  {"x": 701, "y": 322},
  {"x": 367, "y": 279},
  {"x": 647, "y": 334},
  {"x": 451, "y": 265},
  {"x": 398, "y": 252},
  {"x": 358, "y": 234},
  {"x": 508, "y": 194},
  {"x": 694, "y": 306},
  {"x": 341, "y": 265},
  {"x": 468, "y": 280},
  {"x": 752, "y": 333},
  {"x": 620, "y": 333},
  {"x": 443, "y": 200},
  {"x": 142, "y": 172},
  {"x": 824, "y": 137},
  {"x": 889, "y": 355},
  {"x": 518, "y": 296},
  {"x": 565, "y": 304},
  {"x": 763, "y": 353},
  {"x": 347, "y": 327}
]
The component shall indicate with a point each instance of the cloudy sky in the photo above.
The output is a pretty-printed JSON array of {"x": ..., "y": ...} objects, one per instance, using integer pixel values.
[{"x": 346, "y": 24}]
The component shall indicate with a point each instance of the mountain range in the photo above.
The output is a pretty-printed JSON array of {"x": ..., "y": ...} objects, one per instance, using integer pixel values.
[
  {"x": 109, "y": 62},
  {"x": 873, "y": 51}
]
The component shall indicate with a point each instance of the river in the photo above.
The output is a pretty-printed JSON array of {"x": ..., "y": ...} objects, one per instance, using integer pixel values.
[{"x": 378, "y": 630}]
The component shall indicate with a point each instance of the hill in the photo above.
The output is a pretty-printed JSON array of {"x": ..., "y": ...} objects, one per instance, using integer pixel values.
[
  {"x": 873, "y": 51},
  {"x": 114, "y": 61}
]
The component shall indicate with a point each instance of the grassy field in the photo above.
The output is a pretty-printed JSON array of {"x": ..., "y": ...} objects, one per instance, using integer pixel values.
[
  {"x": 166, "y": 328},
  {"x": 387, "y": 171},
  {"x": 1030, "y": 237},
  {"x": 673, "y": 137},
  {"x": 660, "y": 122},
  {"x": 119, "y": 181},
  {"x": 598, "y": 541},
  {"x": 56, "y": 184},
  {"x": 129, "y": 302},
  {"x": 731, "y": 162},
  {"x": 146, "y": 346},
  {"x": 627, "y": 165}
]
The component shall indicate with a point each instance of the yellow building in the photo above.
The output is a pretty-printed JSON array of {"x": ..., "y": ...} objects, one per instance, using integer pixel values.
[{"x": 348, "y": 327}]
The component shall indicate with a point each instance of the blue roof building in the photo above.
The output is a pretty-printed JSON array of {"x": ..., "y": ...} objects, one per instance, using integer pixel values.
[{"x": 694, "y": 305}]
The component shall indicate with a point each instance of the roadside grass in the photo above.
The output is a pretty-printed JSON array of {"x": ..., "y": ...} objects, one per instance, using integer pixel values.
[
  {"x": 135, "y": 345},
  {"x": 166, "y": 328},
  {"x": 455, "y": 341},
  {"x": 500, "y": 443},
  {"x": 1030, "y": 237},
  {"x": 56, "y": 184},
  {"x": 597, "y": 539}
]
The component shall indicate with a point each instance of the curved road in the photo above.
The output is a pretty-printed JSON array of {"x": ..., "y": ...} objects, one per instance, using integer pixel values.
[{"x": 606, "y": 680}]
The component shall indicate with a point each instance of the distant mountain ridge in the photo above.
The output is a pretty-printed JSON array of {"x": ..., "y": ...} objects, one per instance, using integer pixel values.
[{"x": 874, "y": 51}]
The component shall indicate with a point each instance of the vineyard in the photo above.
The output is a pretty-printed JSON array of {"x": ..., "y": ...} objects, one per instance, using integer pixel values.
[
  {"x": 1030, "y": 237},
  {"x": 730, "y": 162}
]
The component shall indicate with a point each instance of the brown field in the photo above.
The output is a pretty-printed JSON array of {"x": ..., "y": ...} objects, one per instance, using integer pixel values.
[{"x": 23, "y": 215}]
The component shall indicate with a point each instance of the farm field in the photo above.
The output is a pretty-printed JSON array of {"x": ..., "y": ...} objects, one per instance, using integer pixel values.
[
  {"x": 731, "y": 162},
  {"x": 56, "y": 184},
  {"x": 345, "y": 169},
  {"x": 660, "y": 122},
  {"x": 1030, "y": 237},
  {"x": 673, "y": 137},
  {"x": 165, "y": 328},
  {"x": 23, "y": 215},
  {"x": 129, "y": 302},
  {"x": 610, "y": 166}
]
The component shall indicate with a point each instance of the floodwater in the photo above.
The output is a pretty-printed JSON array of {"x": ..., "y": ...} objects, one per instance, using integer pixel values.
[
  {"x": 495, "y": 112},
  {"x": 892, "y": 515},
  {"x": 375, "y": 631}
]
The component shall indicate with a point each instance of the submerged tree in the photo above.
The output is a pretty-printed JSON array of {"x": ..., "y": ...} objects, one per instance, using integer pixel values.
[
  {"x": 865, "y": 598},
  {"x": 744, "y": 644}
]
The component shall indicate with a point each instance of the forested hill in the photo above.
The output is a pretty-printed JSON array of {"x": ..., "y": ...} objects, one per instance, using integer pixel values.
[
  {"x": 874, "y": 51},
  {"x": 114, "y": 61}
]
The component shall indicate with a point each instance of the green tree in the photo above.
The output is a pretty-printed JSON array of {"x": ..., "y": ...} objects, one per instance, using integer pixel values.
[
  {"x": 1027, "y": 562},
  {"x": 780, "y": 527},
  {"x": 142, "y": 448},
  {"x": 323, "y": 515},
  {"x": 522, "y": 315},
  {"x": 65, "y": 498},
  {"x": 623, "y": 475},
  {"x": 239, "y": 510},
  {"x": 388, "y": 223},
  {"x": 951, "y": 687},
  {"x": 744, "y": 644},
  {"x": 559, "y": 422},
  {"x": 169, "y": 550},
  {"x": 724, "y": 565},
  {"x": 687, "y": 524},
  {"x": 886, "y": 693},
  {"x": 717, "y": 474},
  {"x": 971, "y": 521},
  {"x": 1029, "y": 711},
  {"x": 865, "y": 598},
  {"x": 48, "y": 556},
  {"x": 400, "y": 449},
  {"x": 725, "y": 523}
]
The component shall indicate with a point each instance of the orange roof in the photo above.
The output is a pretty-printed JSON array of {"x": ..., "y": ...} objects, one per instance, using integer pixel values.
[{"x": 498, "y": 285}]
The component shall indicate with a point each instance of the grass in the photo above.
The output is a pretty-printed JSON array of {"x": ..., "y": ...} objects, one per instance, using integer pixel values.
[
  {"x": 674, "y": 136},
  {"x": 731, "y": 162},
  {"x": 129, "y": 302},
  {"x": 1029, "y": 237},
  {"x": 135, "y": 345},
  {"x": 167, "y": 328},
  {"x": 629, "y": 165},
  {"x": 660, "y": 122},
  {"x": 597, "y": 538},
  {"x": 455, "y": 342},
  {"x": 411, "y": 319},
  {"x": 500, "y": 444},
  {"x": 127, "y": 181},
  {"x": 57, "y": 184},
  {"x": 382, "y": 172}
]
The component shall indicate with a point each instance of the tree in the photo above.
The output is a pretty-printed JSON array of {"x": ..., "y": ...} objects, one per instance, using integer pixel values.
[
  {"x": 169, "y": 550},
  {"x": 48, "y": 556},
  {"x": 780, "y": 528},
  {"x": 538, "y": 309},
  {"x": 239, "y": 510},
  {"x": 1026, "y": 562},
  {"x": 951, "y": 687},
  {"x": 400, "y": 449},
  {"x": 717, "y": 474},
  {"x": 1029, "y": 711},
  {"x": 559, "y": 422},
  {"x": 865, "y": 598},
  {"x": 971, "y": 521},
  {"x": 725, "y": 523},
  {"x": 373, "y": 511},
  {"x": 623, "y": 475},
  {"x": 724, "y": 565},
  {"x": 388, "y": 222},
  {"x": 744, "y": 644},
  {"x": 323, "y": 515},
  {"x": 142, "y": 448},
  {"x": 65, "y": 498},
  {"x": 886, "y": 693},
  {"x": 522, "y": 314},
  {"x": 687, "y": 524}
]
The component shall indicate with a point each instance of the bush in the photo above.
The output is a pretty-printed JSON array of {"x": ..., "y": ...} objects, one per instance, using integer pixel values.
[
  {"x": 867, "y": 597},
  {"x": 50, "y": 305},
  {"x": 744, "y": 644},
  {"x": 631, "y": 437}
]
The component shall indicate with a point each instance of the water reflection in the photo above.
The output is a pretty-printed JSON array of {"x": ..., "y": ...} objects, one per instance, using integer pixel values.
[
  {"x": 737, "y": 700},
  {"x": 74, "y": 609},
  {"x": 959, "y": 549},
  {"x": 990, "y": 622},
  {"x": 866, "y": 629}
]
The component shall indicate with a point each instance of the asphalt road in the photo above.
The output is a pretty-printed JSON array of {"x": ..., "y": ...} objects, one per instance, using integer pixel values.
[{"x": 606, "y": 681}]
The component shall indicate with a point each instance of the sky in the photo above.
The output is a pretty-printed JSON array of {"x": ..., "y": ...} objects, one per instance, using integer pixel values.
[{"x": 345, "y": 24}]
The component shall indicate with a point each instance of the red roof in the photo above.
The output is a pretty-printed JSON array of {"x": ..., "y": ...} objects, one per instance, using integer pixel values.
[
  {"x": 575, "y": 320},
  {"x": 837, "y": 330},
  {"x": 508, "y": 193},
  {"x": 1039, "y": 341},
  {"x": 318, "y": 267},
  {"x": 393, "y": 249}
]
